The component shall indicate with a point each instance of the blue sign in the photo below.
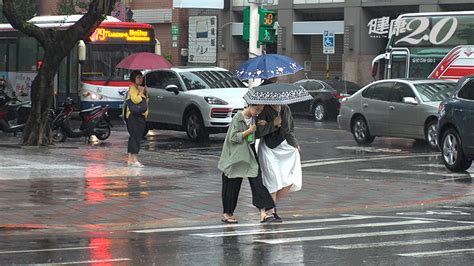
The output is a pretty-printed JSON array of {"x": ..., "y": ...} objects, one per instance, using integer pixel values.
[{"x": 328, "y": 42}]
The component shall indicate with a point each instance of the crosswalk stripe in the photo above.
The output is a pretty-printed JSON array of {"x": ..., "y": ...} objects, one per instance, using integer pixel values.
[
  {"x": 364, "y": 160},
  {"x": 192, "y": 228},
  {"x": 415, "y": 172},
  {"x": 286, "y": 230},
  {"x": 356, "y": 235},
  {"x": 437, "y": 253},
  {"x": 401, "y": 243}
]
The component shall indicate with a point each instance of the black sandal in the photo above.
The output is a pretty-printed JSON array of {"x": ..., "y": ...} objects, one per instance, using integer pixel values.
[
  {"x": 229, "y": 220},
  {"x": 268, "y": 219}
]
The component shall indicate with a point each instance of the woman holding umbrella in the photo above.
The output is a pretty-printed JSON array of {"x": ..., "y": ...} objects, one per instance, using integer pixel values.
[
  {"x": 137, "y": 94},
  {"x": 278, "y": 151},
  {"x": 136, "y": 123}
]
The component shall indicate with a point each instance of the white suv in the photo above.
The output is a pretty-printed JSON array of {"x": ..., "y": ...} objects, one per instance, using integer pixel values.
[{"x": 198, "y": 100}]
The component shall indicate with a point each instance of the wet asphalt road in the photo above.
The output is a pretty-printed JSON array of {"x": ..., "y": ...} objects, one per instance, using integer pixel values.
[{"x": 392, "y": 203}]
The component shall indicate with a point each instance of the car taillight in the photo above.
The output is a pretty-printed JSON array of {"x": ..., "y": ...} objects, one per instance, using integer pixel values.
[{"x": 340, "y": 96}]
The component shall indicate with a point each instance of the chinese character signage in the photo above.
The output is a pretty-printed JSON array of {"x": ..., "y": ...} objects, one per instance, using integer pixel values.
[
  {"x": 118, "y": 35},
  {"x": 414, "y": 30},
  {"x": 202, "y": 39}
]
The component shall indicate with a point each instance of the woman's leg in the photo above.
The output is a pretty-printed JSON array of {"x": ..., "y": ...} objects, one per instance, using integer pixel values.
[
  {"x": 230, "y": 195},
  {"x": 261, "y": 198},
  {"x": 136, "y": 125},
  {"x": 281, "y": 193}
]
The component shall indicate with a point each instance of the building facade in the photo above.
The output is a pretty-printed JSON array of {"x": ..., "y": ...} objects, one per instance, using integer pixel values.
[
  {"x": 303, "y": 22},
  {"x": 359, "y": 27}
]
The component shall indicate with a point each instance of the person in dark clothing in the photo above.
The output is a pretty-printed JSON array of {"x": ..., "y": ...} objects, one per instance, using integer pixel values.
[{"x": 136, "y": 123}]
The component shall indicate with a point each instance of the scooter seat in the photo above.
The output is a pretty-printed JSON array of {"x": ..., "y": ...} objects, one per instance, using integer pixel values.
[{"x": 90, "y": 111}]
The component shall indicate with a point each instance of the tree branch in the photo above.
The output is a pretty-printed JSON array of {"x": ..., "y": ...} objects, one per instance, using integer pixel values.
[
  {"x": 28, "y": 28},
  {"x": 94, "y": 16}
]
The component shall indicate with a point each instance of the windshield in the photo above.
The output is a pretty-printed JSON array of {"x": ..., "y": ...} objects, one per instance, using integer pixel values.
[
  {"x": 102, "y": 59},
  {"x": 196, "y": 80},
  {"x": 434, "y": 92}
]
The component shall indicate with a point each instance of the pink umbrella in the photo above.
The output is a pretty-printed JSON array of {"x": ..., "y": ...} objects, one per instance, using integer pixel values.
[{"x": 140, "y": 61}]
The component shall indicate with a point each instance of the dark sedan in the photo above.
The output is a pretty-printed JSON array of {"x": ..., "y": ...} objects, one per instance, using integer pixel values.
[
  {"x": 327, "y": 96},
  {"x": 456, "y": 126}
]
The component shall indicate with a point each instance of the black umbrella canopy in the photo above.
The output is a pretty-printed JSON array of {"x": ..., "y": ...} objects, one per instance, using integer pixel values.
[{"x": 276, "y": 94}]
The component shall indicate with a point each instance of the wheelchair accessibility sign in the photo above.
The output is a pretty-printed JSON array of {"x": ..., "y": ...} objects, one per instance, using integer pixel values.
[{"x": 328, "y": 42}]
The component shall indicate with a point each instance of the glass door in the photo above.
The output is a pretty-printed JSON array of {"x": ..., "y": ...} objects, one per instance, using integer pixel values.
[{"x": 398, "y": 65}]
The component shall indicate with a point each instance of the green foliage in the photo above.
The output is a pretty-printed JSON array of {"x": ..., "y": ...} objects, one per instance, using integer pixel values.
[
  {"x": 26, "y": 10},
  {"x": 69, "y": 7}
]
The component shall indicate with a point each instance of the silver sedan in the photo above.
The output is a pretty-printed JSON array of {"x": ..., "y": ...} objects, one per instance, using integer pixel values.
[{"x": 395, "y": 108}]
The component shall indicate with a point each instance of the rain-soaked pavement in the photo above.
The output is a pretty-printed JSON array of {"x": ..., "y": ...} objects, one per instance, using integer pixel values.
[{"x": 392, "y": 203}]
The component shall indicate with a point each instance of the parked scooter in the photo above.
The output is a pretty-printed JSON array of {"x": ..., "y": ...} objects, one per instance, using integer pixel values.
[
  {"x": 95, "y": 121},
  {"x": 13, "y": 113}
]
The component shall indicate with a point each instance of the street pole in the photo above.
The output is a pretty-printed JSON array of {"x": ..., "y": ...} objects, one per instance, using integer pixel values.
[
  {"x": 327, "y": 66},
  {"x": 254, "y": 51}
]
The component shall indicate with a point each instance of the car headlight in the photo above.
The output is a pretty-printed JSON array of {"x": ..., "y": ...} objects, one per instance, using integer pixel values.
[{"x": 215, "y": 101}]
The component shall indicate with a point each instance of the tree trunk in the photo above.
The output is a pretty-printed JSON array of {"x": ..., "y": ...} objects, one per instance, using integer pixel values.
[
  {"x": 37, "y": 131},
  {"x": 57, "y": 45}
]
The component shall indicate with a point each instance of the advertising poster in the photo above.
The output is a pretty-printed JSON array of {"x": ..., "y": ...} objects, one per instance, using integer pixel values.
[
  {"x": 18, "y": 84},
  {"x": 202, "y": 39}
]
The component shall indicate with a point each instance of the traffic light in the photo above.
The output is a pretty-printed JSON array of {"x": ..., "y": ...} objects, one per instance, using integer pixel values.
[
  {"x": 246, "y": 30},
  {"x": 266, "y": 33}
]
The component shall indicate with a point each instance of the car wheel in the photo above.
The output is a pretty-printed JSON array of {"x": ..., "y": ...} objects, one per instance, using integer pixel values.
[
  {"x": 195, "y": 127},
  {"x": 361, "y": 132},
  {"x": 431, "y": 134},
  {"x": 452, "y": 152},
  {"x": 58, "y": 135},
  {"x": 320, "y": 112}
]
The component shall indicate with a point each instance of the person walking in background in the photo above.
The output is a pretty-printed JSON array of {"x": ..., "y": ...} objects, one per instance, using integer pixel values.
[
  {"x": 136, "y": 124},
  {"x": 239, "y": 160},
  {"x": 278, "y": 152}
]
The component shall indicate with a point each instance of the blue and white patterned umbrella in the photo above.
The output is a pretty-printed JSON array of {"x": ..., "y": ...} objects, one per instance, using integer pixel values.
[
  {"x": 267, "y": 66},
  {"x": 276, "y": 94}
]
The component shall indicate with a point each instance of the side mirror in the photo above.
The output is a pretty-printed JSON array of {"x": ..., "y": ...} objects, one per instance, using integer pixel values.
[
  {"x": 410, "y": 100},
  {"x": 172, "y": 88}
]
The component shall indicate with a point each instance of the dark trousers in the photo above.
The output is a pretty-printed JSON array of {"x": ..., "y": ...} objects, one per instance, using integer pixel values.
[
  {"x": 261, "y": 198},
  {"x": 136, "y": 126}
]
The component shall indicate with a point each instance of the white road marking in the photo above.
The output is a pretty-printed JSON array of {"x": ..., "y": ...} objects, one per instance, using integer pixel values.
[
  {"x": 413, "y": 172},
  {"x": 456, "y": 207},
  {"x": 431, "y": 165},
  {"x": 339, "y": 158},
  {"x": 401, "y": 243},
  {"x": 369, "y": 149},
  {"x": 42, "y": 250},
  {"x": 40, "y": 166},
  {"x": 285, "y": 230},
  {"x": 337, "y": 161},
  {"x": 435, "y": 212},
  {"x": 437, "y": 253},
  {"x": 193, "y": 228},
  {"x": 459, "y": 178},
  {"x": 418, "y": 218},
  {"x": 357, "y": 235},
  {"x": 88, "y": 261}
]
